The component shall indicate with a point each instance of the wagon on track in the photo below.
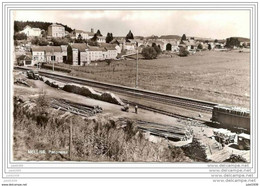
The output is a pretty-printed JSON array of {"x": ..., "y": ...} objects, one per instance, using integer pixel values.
[{"x": 231, "y": 117}]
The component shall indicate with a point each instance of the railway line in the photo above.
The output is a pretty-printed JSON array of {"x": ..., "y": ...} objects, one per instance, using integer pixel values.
[{"x": 186, "y": 103}]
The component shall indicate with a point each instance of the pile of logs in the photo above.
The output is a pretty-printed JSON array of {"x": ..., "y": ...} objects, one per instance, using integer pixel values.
[{"x": 76, "y": 108}]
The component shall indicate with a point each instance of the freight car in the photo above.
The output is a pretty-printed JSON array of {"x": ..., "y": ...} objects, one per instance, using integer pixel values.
[{"x": 231, "y": 117}]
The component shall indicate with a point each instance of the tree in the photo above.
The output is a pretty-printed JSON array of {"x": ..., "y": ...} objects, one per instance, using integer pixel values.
[
  {"x": 15, "y": 42},
  {"x": 92, "y": 43},
  {"x": 231, "y": 42},
  {"x": 129, "y": 35},
  {"x": 157, "y": 49},
  {"x": 94, "y": 38},
  {"x": 79, "y": 39},
  {"x": 16, "y": 28},
  {"x": 20, "y": 36},
  {"x": 200, "y": 46},
  {"x": 99, "y": 33},
  {"x": 44, "y": 33},
  {"x": 59, "y": 41},
  {"x": 244, "y": 45},
  {"x": 149, "y": 53},
  {"x": 183, "y": 38},
  {"x": 108, "y": 61},
  {"x": 216, "y": 41},
  {"x": 43, "y": 42},
  {"x": 19, "y": 25},
  {"x": 109, "y": 37},
  {"x": 39, "y": 41},
  {"x": 209, "y": 46},
  {"x": 183, "y": 52}
]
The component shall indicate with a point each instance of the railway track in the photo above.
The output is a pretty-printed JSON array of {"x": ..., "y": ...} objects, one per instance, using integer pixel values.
[
  {"x": 187, "y": 103},
  {"x": 167, "y": 113}
]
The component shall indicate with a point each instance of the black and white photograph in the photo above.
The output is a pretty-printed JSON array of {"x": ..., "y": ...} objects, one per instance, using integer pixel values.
[
  {"x": 118, "y": 86},
  {"x": 131, "y": 86}
]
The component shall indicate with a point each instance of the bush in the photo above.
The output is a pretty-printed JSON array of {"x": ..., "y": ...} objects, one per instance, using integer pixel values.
[
  {"x": 60, "y": 41},
  {"x": 157, "y": 49},
  {"x": 39, "y": 41},
  {"x": 42, "y": 105},
  {"x": 20, "y": 36},
  {"x": 108, "y": 61},
  {"x": 209, "y": 46},
  {"x": 56, "y": 68},
  {"x": 149, "y": 53},
  {"x": 183, "y": 52},
  {"x": 200, "y": 46}
]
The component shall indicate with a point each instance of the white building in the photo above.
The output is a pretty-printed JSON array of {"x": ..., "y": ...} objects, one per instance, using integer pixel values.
[
  {"x": 101, "y": 39},
  {"x": 55, "y": 30},
  {"x": 48, "y": 54},
  {"x": 84, "y": 34},
  {"x": 81, "y": 54},
  {"x": 31, "y": 32}
]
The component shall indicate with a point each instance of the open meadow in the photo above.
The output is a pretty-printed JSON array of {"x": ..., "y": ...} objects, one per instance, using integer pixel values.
[{"x": 222, "y": 77}]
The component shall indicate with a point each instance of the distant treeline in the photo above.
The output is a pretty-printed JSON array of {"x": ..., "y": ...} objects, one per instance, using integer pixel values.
[{"x": 19, "y": 25}]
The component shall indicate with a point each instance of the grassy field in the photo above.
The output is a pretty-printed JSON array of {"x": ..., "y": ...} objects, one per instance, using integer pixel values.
[{"x": 222, "y": 77}]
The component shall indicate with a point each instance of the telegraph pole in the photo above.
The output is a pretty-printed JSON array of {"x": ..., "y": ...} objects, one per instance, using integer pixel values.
[
  {"x": 70, "y": 140},
  {"x": 53, "y": 60},
  {"x": 136, "y": 80}
]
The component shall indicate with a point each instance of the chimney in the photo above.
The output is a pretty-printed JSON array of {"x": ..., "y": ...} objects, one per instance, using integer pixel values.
[{"x": 92, "y": 30}]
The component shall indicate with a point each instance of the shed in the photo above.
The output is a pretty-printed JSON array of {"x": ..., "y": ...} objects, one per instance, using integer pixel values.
[{"x": 24, "y": 60}]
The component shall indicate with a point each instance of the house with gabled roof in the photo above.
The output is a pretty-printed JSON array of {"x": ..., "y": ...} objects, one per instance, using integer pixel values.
[
  {"x": 101, "y": 39},
  {"x": 84, "y": 34},
  {"x": 112, "y": 47},
  {"x": 31, "y": 32},
  {"x": 24, "y": 60},
  {"x": 56, "y": 30},
  {"x": 48, "y": 54},
  {"x": 81, "y": 54},
  {"x": 73, "y": 52},
  {"x": 189, "y": 44}
]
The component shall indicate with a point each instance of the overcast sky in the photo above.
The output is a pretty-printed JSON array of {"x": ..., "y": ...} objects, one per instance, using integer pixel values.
[{"x": 212, "y": 24}]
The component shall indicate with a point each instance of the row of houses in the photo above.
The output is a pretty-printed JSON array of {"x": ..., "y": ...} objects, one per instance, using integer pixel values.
[
  {"x": 81, "y": 54},
  {"x": 74, "y": 54}
]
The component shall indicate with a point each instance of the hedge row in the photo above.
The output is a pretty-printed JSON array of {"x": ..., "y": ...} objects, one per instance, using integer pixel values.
[{"x": 56, "y": 68}]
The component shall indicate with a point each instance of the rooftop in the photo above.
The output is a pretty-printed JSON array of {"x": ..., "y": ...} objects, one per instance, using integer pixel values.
[
  {"x": 80, "y": 46},
  {"x": 56, "y": 25},
  {"x": 24, "y": 57},
  {"x": 46, "y": 49},
  {"x": 92, "y": 48}
]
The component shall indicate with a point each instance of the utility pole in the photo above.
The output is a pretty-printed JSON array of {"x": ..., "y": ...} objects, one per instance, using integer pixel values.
[
  {"x": 136, "y": 80},
  {"x": 53, "y": 59},
  {"x": 70, "y": 140}
]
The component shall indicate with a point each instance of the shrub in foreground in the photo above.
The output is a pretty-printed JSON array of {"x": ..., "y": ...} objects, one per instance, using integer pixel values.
[{"x": 149, "y": 53}]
